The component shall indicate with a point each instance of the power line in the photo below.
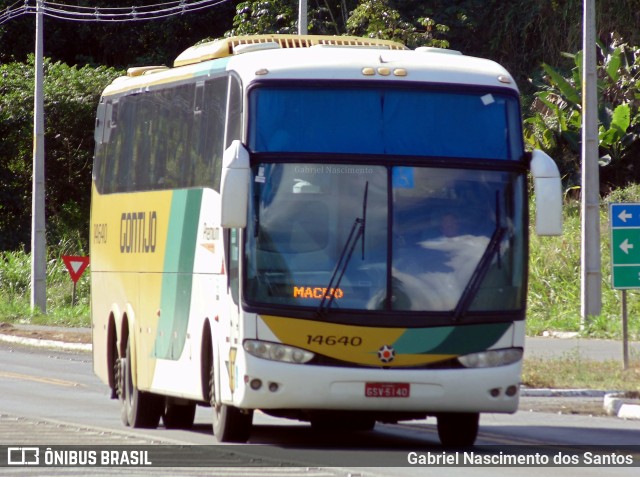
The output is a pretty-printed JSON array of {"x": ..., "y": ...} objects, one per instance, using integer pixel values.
[
  {"x": 108, "y": 14},
  {"x": 12, "y": 12}
]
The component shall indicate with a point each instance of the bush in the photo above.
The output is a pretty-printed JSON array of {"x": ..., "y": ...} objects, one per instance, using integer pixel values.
[
  {"x": 71, "y": 96},
  {"x": 556, "y": 122}
]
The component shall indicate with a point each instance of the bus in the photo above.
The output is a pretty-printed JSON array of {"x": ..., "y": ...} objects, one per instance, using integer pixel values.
[{"x": 327, "y": 229}]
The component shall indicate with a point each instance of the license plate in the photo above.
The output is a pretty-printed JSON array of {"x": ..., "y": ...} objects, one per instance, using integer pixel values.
[{"x": 386, "y": 390}]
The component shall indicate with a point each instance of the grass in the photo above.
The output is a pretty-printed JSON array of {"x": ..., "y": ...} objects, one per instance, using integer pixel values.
[
  {"x": 574, "y": 372},
  {"x": 554, "y": 280},
  {"x": 15, "y": 307}
]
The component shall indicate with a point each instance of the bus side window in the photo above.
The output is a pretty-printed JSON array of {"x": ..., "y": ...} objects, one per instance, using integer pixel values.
[
  {"x": 234, "y": 112},
  {"x": 232, "y": 252},
  {"x": 215, "y": 104}
]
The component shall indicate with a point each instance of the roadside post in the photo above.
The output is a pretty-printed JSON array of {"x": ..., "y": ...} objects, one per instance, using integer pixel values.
[
  {"x": 76, "y": 266},
  {"x": 624, "y": 219}
]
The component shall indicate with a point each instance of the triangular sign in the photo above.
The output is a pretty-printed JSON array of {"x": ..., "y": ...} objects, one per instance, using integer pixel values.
[{"x": 75, "y": 265}]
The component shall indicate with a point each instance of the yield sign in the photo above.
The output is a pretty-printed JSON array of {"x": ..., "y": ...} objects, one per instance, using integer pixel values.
[{"x": 75, "y": 265}]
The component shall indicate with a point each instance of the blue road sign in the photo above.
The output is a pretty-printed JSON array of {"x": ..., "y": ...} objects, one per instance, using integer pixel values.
[{"x": 625, "y": 245}]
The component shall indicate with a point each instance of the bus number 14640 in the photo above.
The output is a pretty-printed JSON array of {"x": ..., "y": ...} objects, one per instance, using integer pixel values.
[{"x": 334, "y": 340}]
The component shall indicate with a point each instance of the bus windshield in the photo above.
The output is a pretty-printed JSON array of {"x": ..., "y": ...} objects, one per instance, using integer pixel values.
[
  {"x": 424, "y": 235},
  {"x": 338, "y": 221},
  {"x": 410, "y": 122}
]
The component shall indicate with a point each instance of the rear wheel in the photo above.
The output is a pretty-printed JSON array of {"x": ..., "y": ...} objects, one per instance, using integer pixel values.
[
  {"x": 139, "y": 408},
  {"x": 230, "y": 424},
  {"x": 458, "y": 429}
]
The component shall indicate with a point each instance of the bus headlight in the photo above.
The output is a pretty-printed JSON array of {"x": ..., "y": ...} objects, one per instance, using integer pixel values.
[
  {"x": 491, "y": 358},
  {"x": 277, "y": 352}
]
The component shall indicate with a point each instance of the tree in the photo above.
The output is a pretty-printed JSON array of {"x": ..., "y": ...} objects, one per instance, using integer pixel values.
[
  {"x": 372, "y": 18},
  {"x": 71, "y": 96},
  {"x": 377, "y": 19},
  {"x": 556, "y": 120},
  {"x": 324, "y": 17},
  {"x": 264, "y": 16},
  {"x": 114, "y": 44}
]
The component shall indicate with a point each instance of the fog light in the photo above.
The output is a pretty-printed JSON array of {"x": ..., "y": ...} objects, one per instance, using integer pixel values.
[
  {"x": 273, "y": 387},
  {"x": 495, "y": 392},
  {"x": 255, "y": 384},
  {"x": 512, "y": 391}
]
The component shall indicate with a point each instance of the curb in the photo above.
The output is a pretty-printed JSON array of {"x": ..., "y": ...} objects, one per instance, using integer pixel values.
[
  {"x": 613, "y": 402},
  {"x": 61, "y": 345},
  {"x": 541, "y": 392},
  {"x": 615, "y": 406}
]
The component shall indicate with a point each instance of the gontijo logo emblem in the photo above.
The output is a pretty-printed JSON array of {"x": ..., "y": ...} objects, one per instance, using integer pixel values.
[{"x": 386, "y": 354}]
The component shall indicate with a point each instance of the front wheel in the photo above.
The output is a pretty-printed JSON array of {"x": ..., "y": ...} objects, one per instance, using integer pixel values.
[
  {"x": 230, "y": 424},
  {"x": 458, "y": 429},
  {"x": 139, "y": 408}
]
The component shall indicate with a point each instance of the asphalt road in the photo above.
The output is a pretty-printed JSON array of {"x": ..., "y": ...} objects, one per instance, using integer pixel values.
[
  {"x": 53, "y": 398},
  {"x": 590, "y": 349}
]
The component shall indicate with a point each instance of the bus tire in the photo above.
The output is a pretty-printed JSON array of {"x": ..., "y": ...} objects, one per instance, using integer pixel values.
[
  {"x": 139, "y": 409},
  {"x": 230, "y": 424},
  {"x": 178, "y": 416},
  {"x": 458, "y": 429}
]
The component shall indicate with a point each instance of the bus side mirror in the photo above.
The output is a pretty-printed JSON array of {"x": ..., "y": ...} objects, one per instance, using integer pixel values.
[
  {"x": 548, "y": 191},
  {"x": 234, "y": 187}
]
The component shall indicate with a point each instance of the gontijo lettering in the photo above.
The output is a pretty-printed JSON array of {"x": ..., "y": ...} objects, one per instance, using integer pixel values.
[{"x": 138, "y": 232}]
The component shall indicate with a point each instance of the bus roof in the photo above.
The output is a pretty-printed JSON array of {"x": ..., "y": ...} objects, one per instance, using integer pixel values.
[
  {"x": 229, "y": 46},
  {"x": 320, "y": 58}
]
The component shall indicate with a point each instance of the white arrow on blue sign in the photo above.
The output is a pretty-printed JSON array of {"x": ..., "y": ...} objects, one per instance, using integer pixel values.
[
  {"x": 625, "y": 215},
  {"x": 625, "y": 245}
]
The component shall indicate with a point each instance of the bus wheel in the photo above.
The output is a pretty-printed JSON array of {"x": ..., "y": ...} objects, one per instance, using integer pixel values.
[
  {"x": 458, "y": 429},
  {"x": 178, "y": 416},
  {"x": 230, "y": 424},
  {"x": 139, "y": 409}
]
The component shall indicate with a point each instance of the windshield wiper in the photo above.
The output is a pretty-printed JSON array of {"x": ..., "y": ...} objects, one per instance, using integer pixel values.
[
  {"x": 357, "y": 232},
  {"x": 483, "y": 266}
]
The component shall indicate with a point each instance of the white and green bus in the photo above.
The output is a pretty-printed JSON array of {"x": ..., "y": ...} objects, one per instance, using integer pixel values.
[{"x": 329, "y": 229}]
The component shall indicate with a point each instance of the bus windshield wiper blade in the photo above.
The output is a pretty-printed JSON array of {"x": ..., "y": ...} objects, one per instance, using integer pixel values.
[
  {"x": 356, "y": 233},
  {"x": 479, "y": 273},
  {"x": 482, "y": 268}
]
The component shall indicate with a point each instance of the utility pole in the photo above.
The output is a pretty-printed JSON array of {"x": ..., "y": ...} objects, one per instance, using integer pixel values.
[
  {"x": 302, "y": 17},
  {"x": 38, "y": 239},
  {"x": 591, "y": 277}
]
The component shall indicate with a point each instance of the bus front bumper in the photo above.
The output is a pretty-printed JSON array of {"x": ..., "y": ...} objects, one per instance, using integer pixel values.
[{"x": 275, "y": 385}]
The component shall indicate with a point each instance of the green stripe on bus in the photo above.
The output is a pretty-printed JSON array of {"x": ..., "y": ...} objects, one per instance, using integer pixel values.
[
  {"x": 212, "y": 67},
  {"x": 454, "y": 340},
  {"x": 177, "y": 277}
]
